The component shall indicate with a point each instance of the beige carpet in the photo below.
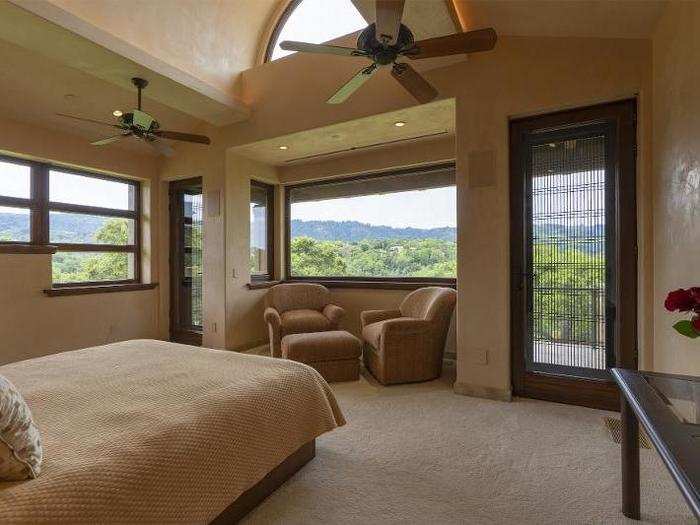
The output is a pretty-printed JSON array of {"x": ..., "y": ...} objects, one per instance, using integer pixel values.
[{"x": 421, "y": 454}]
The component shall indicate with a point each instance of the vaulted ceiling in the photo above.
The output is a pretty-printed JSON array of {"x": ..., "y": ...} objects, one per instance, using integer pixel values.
[{"x": 193, "y": 51}]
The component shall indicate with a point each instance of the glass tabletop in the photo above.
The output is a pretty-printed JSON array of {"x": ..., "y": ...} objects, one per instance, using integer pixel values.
[{"x": 680, "y": 393}]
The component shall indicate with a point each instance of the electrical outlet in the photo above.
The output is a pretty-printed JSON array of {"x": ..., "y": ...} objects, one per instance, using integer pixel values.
[{"x": 480, "y": 356}]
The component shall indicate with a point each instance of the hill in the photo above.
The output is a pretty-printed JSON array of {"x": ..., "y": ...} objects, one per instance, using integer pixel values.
[{"x": 353, "y": 231}]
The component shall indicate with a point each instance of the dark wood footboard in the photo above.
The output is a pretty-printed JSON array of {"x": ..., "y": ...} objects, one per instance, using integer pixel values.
[{"x": 252, "y": 497}]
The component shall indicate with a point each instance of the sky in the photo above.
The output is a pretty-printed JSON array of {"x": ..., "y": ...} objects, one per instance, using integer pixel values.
[
  {"x": 433, "y": 208},
  {"x": 318, "y": 21},
  {"x": 63, "y": 187}
]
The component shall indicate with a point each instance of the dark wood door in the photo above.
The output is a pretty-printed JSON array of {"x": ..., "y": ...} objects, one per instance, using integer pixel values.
[
  {"x": 186, "y": 234},
  {"x": 573, "y": 253}
]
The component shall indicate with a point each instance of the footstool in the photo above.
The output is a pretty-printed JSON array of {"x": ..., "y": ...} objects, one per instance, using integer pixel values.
[{"x": 335, "y": 354}]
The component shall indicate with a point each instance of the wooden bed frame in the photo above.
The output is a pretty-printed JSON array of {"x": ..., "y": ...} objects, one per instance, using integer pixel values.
[{"x": 274, "y": 479}]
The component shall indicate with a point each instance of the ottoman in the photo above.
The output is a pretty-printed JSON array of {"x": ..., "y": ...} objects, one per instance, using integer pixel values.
[{"x": 334, "y": 354}]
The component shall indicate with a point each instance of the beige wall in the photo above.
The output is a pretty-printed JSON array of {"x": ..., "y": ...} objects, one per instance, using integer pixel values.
[
  {"x": 524, "y": 76},
  {"x": 244, "y": 307},
  {"x": 677, "y": 178},
  {"x": 34, "y": 324},
  {"x": 210, "y": 40}
]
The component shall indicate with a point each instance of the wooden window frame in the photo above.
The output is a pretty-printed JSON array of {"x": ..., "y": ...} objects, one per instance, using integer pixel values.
[
  {"x": 403, "y": 283},
  {"x": 269, "y": 234},
  {"x": 40, "y": 207},
  {"x": 281, "y": 21}
]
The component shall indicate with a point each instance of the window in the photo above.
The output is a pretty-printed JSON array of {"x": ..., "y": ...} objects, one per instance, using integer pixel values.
[
  {"x": 262, "y": 203},
  {"x": 391, "y": 227},
  {"x": 314, "y": 21},
  {"x": 15, "y": 201},
  {"x": 93, "y": 220}
]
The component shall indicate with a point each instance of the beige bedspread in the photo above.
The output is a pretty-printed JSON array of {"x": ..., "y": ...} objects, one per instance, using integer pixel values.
[{"x": 155, "y": 432}]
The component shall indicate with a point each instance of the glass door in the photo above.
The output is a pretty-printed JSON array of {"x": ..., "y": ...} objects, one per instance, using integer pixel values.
[
  {"x": 573, "y": 253},
  {"x": 186, "y": 235}
]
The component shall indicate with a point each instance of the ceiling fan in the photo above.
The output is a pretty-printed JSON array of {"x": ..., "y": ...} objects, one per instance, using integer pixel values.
[
  {"x": 141, "y": 125},
  {"x": 388, "y": 39}
]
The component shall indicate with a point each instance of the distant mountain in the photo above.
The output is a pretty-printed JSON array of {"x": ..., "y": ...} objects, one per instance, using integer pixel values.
[
  {"x": 353, "y": 231},
  {"x": 586, "y": 237},
  {"x": 65, "y": 227}
]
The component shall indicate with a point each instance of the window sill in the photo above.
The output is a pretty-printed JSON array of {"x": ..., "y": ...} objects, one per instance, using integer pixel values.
[
  {"x": 259, "y": 285},
  {"x": 100, "y": 288},
  {"x": 27, "y": 248},
  {"x": 377, "y": 285}
]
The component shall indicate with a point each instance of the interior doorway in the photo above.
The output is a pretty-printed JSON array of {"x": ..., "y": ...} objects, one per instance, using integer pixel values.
[
  {"x": 573, "y": 253},
  {"x": 186, "y": 235}
]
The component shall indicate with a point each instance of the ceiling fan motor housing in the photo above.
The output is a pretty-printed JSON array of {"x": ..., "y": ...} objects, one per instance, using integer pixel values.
[{"x": 382, "y": 54}]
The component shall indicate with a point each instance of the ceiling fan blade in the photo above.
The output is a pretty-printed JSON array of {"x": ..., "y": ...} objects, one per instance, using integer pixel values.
[
  {"x": 290, "y": 45},
  {"x": 185, "y": 137},
  {"x": 89, "y": 120},
  {"x": 109, "y": 140},
  {"x": 352, "y": 85},
  {"x": 388, "y": 20},
  {"x": 160, "y": 147},
  {"x": 470, "y": 42},
  {"x": 412, "y": 82}
]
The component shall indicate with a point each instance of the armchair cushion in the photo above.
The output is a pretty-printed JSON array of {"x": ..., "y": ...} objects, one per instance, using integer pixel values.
[{"x": 302, "y": 321}]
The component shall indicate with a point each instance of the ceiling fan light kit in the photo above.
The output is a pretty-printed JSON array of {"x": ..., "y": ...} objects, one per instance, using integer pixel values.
[
  {"x": 386, "y": 40},
  {"x": 142, "y": 126}
]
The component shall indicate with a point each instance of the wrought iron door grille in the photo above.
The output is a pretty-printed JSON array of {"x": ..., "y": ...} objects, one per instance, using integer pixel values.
[
  {"x": 193, "y": 223},
  {"x": 568, "y": 254}
]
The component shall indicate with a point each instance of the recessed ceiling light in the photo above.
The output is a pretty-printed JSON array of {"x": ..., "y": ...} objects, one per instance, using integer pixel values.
[
  {"x": 117, "y": 113},
  {"x": 399, "y": 124},
  {"x": 284, "y": 147}
]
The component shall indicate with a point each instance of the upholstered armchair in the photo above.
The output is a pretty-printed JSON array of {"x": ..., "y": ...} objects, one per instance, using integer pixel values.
[
  {"x": 297, "y": 308},
  {"x": 407, "y": 345}
]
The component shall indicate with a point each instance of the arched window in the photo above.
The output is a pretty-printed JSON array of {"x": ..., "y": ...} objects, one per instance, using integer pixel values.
[{"x": 314, "y": 21}]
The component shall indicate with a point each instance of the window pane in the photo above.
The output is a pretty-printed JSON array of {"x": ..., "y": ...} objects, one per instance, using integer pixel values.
[
  {"x": 258, "y": 230},
  {"x": 14, "y": 224},
  {"x": 15, "y": 180},
  {"x": 90, "y": 229},
  {"x": 70, "y": 188},
  {"x": 389, "y": 234},
  {"x": 318, "y": 21},
  {"x": 75, "y": 267}
]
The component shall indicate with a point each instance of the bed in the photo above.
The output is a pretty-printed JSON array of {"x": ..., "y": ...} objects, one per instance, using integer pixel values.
[{"x": 155, "y": 432}]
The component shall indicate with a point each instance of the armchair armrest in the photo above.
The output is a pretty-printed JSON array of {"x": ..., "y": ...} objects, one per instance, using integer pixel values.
[
  {"x": 374, "y": 316},
  {"x": 396, "y": 328},
  {"x": 334, "y": 313},
  {"x": 272, "y": 317}
]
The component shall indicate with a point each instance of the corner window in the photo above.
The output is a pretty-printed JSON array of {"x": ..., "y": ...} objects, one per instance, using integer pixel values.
[
  {"x": 92, "y": 219},
  {"x": 391, "y": 227},
  {"x": 262, "y": 204},
  {"x": 313, "y": 21}
]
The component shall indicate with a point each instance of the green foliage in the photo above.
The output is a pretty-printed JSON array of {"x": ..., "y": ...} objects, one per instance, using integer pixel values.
[
  {"x": 686, "y": 328},
  {"x": 79, "y": 266},
  {"x": 373, "y": 258},
  {"x": 569, "y": 298}
]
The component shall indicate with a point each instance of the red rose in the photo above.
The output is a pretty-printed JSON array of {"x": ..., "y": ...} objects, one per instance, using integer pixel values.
[{"x": 681, "y": 300}]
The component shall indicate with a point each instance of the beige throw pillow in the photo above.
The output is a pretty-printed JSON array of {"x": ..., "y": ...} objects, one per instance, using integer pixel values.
[{"x": 20, "y": 443}]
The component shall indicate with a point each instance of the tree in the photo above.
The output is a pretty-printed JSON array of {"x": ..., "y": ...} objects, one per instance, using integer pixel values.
[{"x": 77, "y": 267}]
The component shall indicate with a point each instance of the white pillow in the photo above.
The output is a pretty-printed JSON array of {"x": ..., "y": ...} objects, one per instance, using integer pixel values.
[{"x": 20, "y": 443}]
